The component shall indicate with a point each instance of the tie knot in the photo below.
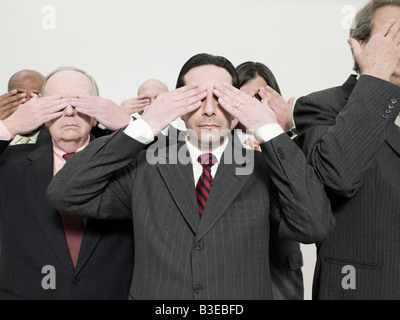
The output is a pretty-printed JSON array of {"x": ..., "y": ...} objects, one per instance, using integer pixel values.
[
  {"x": 68, "y": 155},
  {"x": 207, "y": 159}
]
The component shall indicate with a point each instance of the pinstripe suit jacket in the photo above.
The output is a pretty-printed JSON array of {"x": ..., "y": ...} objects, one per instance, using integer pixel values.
[
  {"x": 178, "y": 255},
  {"x": 349, "y": 136}
]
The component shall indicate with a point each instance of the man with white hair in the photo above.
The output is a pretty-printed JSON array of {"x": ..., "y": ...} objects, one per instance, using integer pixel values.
[{"x": 46, "y": 254}]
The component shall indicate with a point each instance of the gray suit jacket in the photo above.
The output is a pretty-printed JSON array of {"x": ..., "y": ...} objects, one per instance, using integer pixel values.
[
  {"x": 178, "y": 255},
  {"x": 349, "y": 136}
]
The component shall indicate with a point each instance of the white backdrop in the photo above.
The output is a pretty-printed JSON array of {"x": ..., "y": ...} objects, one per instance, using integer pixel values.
[{"x": 124, "y": 42}]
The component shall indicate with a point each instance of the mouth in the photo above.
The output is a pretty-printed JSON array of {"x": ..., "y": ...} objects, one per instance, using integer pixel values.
[
  {"x": 70, "y": 126},
  {"x": 209, "y": 126}
]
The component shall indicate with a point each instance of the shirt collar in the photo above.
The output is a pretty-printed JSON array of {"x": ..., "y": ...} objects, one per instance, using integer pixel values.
[
  {"x": 195, "y": 152},
  {"x": 59, "y": 153}
]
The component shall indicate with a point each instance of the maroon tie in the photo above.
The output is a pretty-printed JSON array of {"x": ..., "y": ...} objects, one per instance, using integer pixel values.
[
  {"x": 205, "y": 182},
  {"x": 73, "y": 228}
]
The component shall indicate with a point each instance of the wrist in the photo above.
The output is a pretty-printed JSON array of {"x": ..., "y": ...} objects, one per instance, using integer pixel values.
[{"x": 5, "y": 133}]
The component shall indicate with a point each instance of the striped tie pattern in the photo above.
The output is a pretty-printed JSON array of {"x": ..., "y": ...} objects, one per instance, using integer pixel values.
[{"x": 205, "y": 182}]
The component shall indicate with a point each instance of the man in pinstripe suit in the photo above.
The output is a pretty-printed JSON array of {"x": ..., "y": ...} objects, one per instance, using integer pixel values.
[
  {"x": 350, "y": 136},
  {"x": 179, "y": 253}
]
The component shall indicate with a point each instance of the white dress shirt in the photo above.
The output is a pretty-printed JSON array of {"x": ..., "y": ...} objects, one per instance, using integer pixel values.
[{"x": 140, "y": 131}]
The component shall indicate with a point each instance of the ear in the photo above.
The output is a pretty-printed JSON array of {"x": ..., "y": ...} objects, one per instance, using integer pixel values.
[{"x": 94, "y": 122}]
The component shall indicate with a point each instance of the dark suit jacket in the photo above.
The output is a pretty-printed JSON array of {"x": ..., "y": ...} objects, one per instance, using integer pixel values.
[
  {"x": 41, "y": 137},
  {"x": 32, "y": 237},
  {"x": 349, "y": 136},
  {"x": 178, "y": 255},
  {"x": 285, "y": 262},
  {"x": 286, "y": 259}
]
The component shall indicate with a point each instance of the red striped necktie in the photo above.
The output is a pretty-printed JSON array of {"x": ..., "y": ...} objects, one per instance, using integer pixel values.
[
  {"x": 205, "y": 182},
  {"x": 73, "y": 228}
]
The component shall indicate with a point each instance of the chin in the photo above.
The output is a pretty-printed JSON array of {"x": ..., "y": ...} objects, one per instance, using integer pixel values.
[{"x": 211, "y": 141}]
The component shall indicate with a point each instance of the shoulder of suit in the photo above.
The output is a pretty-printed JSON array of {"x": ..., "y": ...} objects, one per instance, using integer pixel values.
[{"x": 327, "y": 97}]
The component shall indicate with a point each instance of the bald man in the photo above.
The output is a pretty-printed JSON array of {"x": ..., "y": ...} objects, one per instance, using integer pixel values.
[
  {"x": 26, "y": 81},
  {"x": 147, "y": 92},
  {"x": 38, "y": 257},
  {"x": 22, "y": 86}
]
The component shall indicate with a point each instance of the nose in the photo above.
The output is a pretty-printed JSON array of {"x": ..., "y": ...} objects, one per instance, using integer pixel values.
[
  {"x": 210, "y": 104},
  {"x": 69, "y": 110}
]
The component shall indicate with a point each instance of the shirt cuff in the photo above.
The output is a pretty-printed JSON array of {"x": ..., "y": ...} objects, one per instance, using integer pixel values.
[
  {"x": 268, "y": 132},
  {"x": 5, "y": 135},
  {"x": 140, "y": 131}
]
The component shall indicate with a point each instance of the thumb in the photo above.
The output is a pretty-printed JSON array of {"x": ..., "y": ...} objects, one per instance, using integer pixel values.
[{"x": 291, "y": 102}]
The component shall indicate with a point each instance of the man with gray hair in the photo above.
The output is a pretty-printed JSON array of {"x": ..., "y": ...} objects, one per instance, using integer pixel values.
[
  {"x": 46, "y": 254},
  {"x": 351, "y": 137}
]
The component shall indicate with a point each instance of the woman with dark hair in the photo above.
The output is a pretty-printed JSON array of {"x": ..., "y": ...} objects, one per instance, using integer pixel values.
[
  {"x": 286, "y": 258},
  {"x": 258, "y": 80}
]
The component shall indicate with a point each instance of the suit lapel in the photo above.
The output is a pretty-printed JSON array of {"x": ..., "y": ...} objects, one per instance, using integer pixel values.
[
  {"x": 226, "y": 186},
  {"x": 37, "y": 177},
  {"x": 91, "y": 237},
  {"x": 39, "y": 174},
  {"x": 180, "y": 183},
  {"x": 349, "y": 85}
]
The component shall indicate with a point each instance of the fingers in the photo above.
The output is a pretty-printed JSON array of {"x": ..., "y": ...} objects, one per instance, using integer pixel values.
[
  {"x": 137, "y": 103},
  {"x": 291, "y": 102},
  {"x": 227, "y": 105},
  {"x": 4, "y": 114},
  {"x": 384, "y": 31},
  {"x": 390, "y": 29},
  {"x": 188, "y": 108},
  {"x": 192, "y": 98},
  {"x": 230, "y": 93},
  {"x": 12, "y": 98},
  {"x": 189, "y": 94},
  {"x": 184, "y": 89},
  {"x": 248, "y": 91},
  {"x": 396, "y": 38},
  {"x": 52, "y": 106}
]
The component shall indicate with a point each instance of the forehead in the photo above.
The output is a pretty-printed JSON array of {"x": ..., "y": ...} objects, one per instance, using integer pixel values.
[
  {"x": 27, "y": 81},
  {"x": 152, "y": 87},
  {"x": 208, "y": 74},
  {"x": 384, "y": 14},
  {"x": 256, "y": 83},
  {"x": 68, "y": 84}
]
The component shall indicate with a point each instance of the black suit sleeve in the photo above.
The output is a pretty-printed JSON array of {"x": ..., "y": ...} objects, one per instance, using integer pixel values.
[
  {"x": 95, "y": 175},
  {"x": 3, "y": 146},
  {"x": 340, "y": 137},
  {"x": 300, "y": 208}
]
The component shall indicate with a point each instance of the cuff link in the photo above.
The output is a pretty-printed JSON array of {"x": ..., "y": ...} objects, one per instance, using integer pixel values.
[{"x": 292, "y": 133}]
